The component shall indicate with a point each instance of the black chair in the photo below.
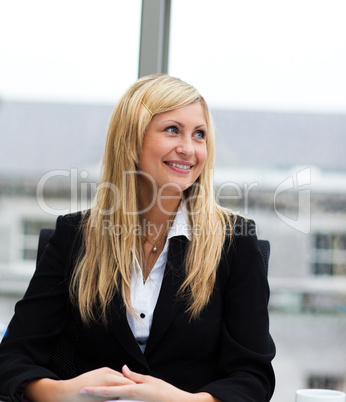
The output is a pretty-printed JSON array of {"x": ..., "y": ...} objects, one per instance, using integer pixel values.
[{"x": 265, "y": 251}]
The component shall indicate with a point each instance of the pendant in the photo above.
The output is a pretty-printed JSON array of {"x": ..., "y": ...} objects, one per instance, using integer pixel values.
[{"x": 154, "y": 250}]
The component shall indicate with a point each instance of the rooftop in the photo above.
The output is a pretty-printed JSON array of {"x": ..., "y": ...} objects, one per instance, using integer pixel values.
[{"x": 39, "y": 137}]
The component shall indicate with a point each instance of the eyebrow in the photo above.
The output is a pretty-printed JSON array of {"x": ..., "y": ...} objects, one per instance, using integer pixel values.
[{"x": 182, "y": 125}]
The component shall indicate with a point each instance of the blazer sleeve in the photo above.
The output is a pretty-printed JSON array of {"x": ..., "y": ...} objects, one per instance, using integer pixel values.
[
  {"x": 39, "y": 317},
  {"x": 247, "y": 347}
]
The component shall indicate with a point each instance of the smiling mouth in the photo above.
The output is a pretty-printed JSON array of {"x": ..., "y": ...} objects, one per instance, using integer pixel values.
[{"x": 179, "y": 165}]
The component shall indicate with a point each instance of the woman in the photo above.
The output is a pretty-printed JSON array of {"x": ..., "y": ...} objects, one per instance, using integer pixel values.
[{"x": 166, "y": 290}]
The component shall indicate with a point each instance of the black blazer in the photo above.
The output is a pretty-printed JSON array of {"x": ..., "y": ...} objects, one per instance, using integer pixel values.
[{"x": 226, "y": 352}]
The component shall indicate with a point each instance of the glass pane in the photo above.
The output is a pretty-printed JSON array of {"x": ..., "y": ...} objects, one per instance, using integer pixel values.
[
  {"x": 33, "y": 227},
  {"x": 324, "y": 241},
  {"x": 340, "y": 242},
  {"x": 78, "y": 50},
  {"x": 277, "y": 55},
  {"x": 323, "y": 269}
]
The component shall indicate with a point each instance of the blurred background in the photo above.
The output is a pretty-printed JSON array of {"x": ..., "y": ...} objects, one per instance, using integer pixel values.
[{"x": 273, "y": 73}]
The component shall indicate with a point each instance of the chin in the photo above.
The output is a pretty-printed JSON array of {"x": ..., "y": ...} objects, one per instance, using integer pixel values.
[{"x": 174, "y": 188}]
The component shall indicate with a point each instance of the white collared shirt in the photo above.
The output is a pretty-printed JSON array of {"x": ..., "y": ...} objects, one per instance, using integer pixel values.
[{"x": 144, "y": 295}]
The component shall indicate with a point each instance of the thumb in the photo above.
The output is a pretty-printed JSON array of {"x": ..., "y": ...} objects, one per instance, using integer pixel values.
[{"x": 131, "y": 375}]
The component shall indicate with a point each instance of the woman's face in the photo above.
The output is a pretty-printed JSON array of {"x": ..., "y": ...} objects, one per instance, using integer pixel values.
[{"x": 174, "y": 150}]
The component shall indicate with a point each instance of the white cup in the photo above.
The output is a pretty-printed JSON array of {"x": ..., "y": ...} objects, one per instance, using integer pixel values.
[{"x": 319, "y": 395}]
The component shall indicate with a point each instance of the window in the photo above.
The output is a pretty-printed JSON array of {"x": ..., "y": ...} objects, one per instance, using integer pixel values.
[
  {"x": 79, "y": 51},
  {"x": 325, "y": 382},
  {"x": 329, "y": 257},
  {"x": 31, "y": 231}
]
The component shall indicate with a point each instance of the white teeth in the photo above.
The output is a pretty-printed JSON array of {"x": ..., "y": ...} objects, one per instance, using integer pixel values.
[{"x": 178, "y": 165}]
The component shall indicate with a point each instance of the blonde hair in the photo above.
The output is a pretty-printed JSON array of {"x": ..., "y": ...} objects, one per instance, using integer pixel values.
[{"x": 105, "y": 262}]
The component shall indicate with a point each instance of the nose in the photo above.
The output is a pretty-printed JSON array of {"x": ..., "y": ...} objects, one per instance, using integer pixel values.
[{"x": 186, "y": 146}]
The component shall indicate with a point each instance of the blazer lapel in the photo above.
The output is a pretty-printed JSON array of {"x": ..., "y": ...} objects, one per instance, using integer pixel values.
[
  {"x": 167, "y": 304},
  {"x": 166, "y": 308},
  {"x": 120, "y": 328}
]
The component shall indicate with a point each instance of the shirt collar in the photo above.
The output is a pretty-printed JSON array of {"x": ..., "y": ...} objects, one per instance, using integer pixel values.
[{"x": 181, "y": 224}]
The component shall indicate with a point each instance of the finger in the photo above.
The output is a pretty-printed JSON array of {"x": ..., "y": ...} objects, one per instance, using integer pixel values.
[
  {"x": 115, "y": 380},
  {"x": 107, "y": 392},
  {"x": 107, "y": 371},
  {"x": 121, "y": 391},
  {"x": 131, "y": 375},
  {"x": 110, "y": 379}
]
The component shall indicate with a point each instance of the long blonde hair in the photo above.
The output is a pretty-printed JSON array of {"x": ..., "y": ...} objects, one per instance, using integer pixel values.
[{"x": 110, "y": 240}]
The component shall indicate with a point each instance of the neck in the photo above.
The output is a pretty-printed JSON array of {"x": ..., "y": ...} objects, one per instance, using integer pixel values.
[
  {"x": 155, "y": 225},
  {"x": 157, "y": 216},
  {"x": 161, "y": 208}
]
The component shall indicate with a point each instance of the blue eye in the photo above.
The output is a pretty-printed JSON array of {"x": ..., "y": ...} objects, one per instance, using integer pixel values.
[
  {"x": 171, "y": 129},
  {"x": 200, "y": 135}
]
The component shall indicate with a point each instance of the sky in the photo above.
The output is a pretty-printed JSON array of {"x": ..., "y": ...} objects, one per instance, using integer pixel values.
[{"x": 249, "y": 54}]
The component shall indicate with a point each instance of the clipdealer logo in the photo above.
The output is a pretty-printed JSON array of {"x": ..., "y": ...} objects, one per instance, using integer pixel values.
[{"x": 300, "y": 181}]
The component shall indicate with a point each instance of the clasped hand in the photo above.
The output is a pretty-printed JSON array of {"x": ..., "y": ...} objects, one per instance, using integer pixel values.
[
  {"x": 138, "y": 387},
  {"x": 105, "y": 384}
]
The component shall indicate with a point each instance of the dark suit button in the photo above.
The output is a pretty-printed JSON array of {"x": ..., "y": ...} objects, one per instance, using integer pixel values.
[
  {"x": 141, "y": 342},
  {"x": 142, "y": 315}
]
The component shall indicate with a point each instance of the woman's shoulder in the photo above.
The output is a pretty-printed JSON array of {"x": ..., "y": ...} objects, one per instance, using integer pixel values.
[
  {"x": 73, "y": 220},
  {"x": 71, "y": 225},
  {"x": 237, "y": 224}
]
